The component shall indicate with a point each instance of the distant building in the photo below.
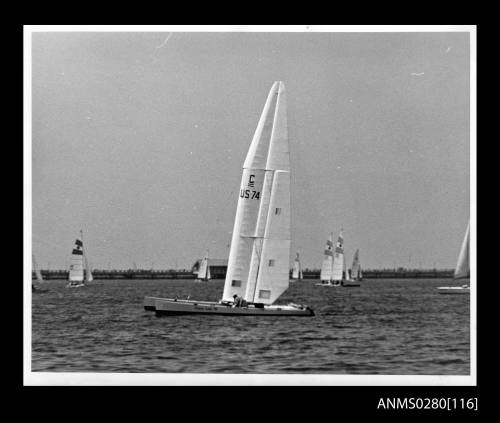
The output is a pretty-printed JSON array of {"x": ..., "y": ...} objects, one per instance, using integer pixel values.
[{"x": 218, "y": 267}]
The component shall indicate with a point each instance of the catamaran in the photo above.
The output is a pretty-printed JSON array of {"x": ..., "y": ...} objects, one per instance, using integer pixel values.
[
  {"x": 204, "y": 270},
  {"x": 297, "y": 269},
  {"x": 76, "y": 276},
  {"x": 462, "y": 270},
  {"x": 258, "y": 266}
]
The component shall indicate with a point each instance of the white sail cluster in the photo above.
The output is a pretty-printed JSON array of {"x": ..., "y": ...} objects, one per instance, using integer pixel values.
[
  {"x": 332, "y": 268},
  {"x": 258, "y": 265}
]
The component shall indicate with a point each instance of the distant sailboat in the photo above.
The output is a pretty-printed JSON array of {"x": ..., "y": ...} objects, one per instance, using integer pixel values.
[
  {"x": 297, "y": 269},
  {"x": 333, "y": 270},
  {"x": 462, "y": 270},
  {"x": 38, "y": 275},
  {"x": 356, "y": 272},
  {"x": 332, "y": 267},
  {"x": 76, "y": 269},
  {"x": 259, "y": 256},
  {"x": 326, "y": 273},
  {"x": 348, "y": 282},
  {"x": 204, "y": 270}
]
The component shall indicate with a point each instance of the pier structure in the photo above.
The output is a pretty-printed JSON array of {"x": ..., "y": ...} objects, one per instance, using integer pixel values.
[{"x": 188, "y": 274}]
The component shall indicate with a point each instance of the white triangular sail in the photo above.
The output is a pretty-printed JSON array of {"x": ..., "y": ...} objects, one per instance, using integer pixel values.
[
  {"x": 76, "y": 265},
  {"x": 88, "y": 270},
  {"x": 338, "y": 259},
  {"x": 297, "y": 268},
  {"x": 327, "y": 265},
  {"x": 38, "y": 274},
  {"x": 462, "y": 270},
  {"x": 347, "y": 276},
  {"x": 356, "y": 268},
  {"x": 204, "y": 270},
  {"x": 260, "y": 246}
]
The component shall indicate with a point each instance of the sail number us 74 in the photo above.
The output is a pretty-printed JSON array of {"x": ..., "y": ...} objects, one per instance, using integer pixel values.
[{"x": 247, "y": 193}]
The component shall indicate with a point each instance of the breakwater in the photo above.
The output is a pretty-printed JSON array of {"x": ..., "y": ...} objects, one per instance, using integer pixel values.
[{"x": 308, "y": 274}]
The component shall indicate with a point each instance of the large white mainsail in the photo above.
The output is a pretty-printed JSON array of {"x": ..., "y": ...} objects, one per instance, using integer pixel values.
[
  {"x": 356, "y": 268},
  {"x": 76, "y": 266},
  {"x": 338, "y": 259},
  {"x": 260, "y": 246},
  {"x": 462, "y": 270},
  {"x": 297, "y": 268},
  {"x": 327, "y": 265}
]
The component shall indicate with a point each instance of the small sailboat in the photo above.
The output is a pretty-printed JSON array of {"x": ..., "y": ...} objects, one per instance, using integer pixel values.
[
  {"x": 297, "y": 269},
  {"x": 258, "y": 265},
  {"x": 204, "y": 270},
  {"x": 76, "y": 269},
  {"x": 462, "y": 270},
  {"x": 38, "y": 275},
  {"x": 356, "y": 271},
  {"x": 348, "y": 282},
  {"x": 332, "y": 267}
]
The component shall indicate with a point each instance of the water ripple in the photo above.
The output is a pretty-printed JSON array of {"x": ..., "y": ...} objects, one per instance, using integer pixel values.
[{"x": 384, "y": 327}]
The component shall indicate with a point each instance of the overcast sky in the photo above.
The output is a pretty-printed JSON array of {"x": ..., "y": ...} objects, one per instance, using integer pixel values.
[{"x": 139, "y": 139}]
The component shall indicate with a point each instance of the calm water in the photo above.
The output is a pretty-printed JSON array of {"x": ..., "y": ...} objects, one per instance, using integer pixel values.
[{"x": 384, "y": 327}]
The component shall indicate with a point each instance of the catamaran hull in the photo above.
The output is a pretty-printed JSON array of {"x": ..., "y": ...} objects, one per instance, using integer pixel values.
[
  {"x": 172, "y": 307},
  {"x": 453, "y": 290},
  {"x": 339, "y": 285},
  {"x": 149, "y": 303},
  {"x": 75, "y": 286}
]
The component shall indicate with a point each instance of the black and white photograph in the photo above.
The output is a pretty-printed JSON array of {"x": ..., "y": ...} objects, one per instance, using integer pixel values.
[{"x": 250, "y": 205}]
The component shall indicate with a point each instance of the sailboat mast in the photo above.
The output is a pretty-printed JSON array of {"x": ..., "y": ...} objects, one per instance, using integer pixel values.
[
  {"x": 333, "y": 256},
  {"x": 84, "y": 267}
]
